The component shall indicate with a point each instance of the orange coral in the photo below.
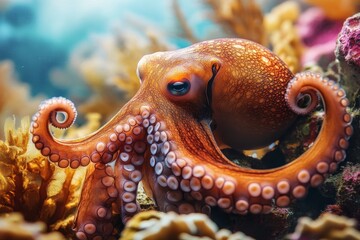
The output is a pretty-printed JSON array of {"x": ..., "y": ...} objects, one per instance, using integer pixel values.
[{"x": 283, "y": 36}]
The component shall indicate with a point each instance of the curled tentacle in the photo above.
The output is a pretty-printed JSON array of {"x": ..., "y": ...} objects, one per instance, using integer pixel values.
[
  {"x": 101, "y": 146},
  {"x": 243, "y": 190},
  {"x": 293, "y": 99},
  {"x": 309, "y": 169}
]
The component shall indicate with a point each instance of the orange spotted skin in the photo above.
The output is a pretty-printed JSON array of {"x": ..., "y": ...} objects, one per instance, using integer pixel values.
[
  {"x": 233, "y": 89},
  {"x": 251, "y": 79}
]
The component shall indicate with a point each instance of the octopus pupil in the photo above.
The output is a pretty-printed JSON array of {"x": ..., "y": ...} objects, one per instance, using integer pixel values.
[{"x": 179, "y": 88}]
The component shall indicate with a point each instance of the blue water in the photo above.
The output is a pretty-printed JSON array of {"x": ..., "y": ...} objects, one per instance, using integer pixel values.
[{"x": 39, "y": 35}]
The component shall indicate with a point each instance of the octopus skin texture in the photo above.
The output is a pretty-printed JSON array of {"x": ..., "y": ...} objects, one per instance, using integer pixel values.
[{"x": 224, "y": 91}]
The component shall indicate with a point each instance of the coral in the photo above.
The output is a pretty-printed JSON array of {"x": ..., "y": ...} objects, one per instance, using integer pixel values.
[
  {"x": 274, "y": 225},
  {"x": 327, "y": 226},
  {"x": 29, "y": 184},
  {"x": 158, "y": 225},
  {"x": 13, "y": 226},
  {"x": 348, "y": 53},
  {"x": 282, "y": 34},
  {"x": 239, "y": 18},
  {"x": 336, "y": 10},
  {"x": 318, "y": 34},
  {"x": 348, "y": 193},
  {"x": 15, "y": 96}
]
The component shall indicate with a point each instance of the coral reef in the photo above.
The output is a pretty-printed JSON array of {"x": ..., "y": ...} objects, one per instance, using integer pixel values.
[
  {"x": 319, "y": 27},
  {"x": 344, "y": 187},
  {"x": 318, "y": 34},
  {"x": 153, "y": 225},
  {"x": 13, "y": 227},
  {"x": 29, "y": 184},
  {"x": 282, "y": 33},
  {"x": 101, "y": 77},
  {"x": 327, "y": 226},
  {"x": 348, "y": 54}
]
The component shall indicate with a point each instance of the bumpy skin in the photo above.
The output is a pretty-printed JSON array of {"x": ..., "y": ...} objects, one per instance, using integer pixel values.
[{"x": 164, "y": 137}]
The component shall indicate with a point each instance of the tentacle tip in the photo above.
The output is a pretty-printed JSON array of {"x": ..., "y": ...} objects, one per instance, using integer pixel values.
[
  {"x": 62, "y": 111},
  {"x": 301, "y": 97}
]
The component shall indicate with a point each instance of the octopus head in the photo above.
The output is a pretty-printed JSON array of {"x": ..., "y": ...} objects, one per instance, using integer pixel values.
[
  {"x": 184, "y": 80},
  {"x": 238, "y": 86}
]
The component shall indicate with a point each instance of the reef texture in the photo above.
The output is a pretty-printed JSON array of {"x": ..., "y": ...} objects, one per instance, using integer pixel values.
[
  {"x": 154, "y": 225},
  {"x": 283, "y": 35},
  {"x": 348, "y": 53},
  {"x": 163, "y": 136},
  {"x": 33, "y": 187},
  {"x": 13, "y": 227},
  {"x": 327, "y": 226},
  {"x": 318, "y": 35}
]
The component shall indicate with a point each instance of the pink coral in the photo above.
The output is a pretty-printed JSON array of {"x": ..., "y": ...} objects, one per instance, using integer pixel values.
[
  {"x": 319, "y": 34},
  {"x": 349, "y": 40}
]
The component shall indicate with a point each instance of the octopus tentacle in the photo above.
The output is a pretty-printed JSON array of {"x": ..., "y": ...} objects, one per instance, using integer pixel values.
[
  {"x": 101, "y": 146},
  {"x": 168, "y": 143},
  {"x": 291, "y": 181},
  {"x": 182, "y": 176},
  {"x": 94, "y": 215}
]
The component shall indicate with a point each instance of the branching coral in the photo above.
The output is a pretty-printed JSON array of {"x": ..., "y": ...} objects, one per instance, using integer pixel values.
[
  {"x": 29, "y": 184},
  {"x": 13, "y": 226},
  {"x": 328, "y": 226},
  {"x": 282, "y": 34},
  {"x": 157, "y": 225}
]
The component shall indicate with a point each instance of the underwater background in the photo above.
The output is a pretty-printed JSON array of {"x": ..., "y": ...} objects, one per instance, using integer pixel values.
[{"x": 88, "y": 51}]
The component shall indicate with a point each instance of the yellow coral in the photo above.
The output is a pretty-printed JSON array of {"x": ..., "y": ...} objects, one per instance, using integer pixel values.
[
  {"x": 327, "y": 226},
  {"x": 280, "y": 27},
  {"x": 153, "y": 225},
  {"x": 13, "y": 226},
  {"x": 31, "y": 185}
]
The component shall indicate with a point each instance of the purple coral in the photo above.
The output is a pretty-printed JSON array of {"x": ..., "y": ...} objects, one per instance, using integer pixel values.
[
  {"x": 348, "y": 196},
  {"x": 348, "y": 44},
  {"x": 318, "y": 33}
]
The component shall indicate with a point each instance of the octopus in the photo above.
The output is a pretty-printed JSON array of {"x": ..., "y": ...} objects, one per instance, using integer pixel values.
[{"x": 221, "y": 92}]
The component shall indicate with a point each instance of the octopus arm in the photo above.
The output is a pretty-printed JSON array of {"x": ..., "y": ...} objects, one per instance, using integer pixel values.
[
  {"x": 94, "y": 216},
  {"x": 103, "y": 145},
  {"x": 253, "y": 190}
]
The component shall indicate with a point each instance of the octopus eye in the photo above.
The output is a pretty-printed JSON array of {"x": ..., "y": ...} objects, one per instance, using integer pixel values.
[{"x": 179, "y": 88}]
